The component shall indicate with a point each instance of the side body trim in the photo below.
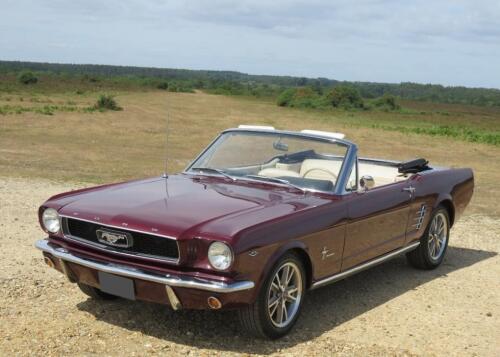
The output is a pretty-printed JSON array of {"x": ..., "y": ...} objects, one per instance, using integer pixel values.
[{"x": 358, "y": 268}]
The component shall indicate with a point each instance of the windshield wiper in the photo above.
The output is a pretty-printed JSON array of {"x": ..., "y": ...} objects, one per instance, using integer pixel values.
[
  {"x": 211, "y": 169},
  {"x": 278, "y": 180}
]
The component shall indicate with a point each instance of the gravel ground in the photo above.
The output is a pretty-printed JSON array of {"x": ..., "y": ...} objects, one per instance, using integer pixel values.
[{"x": 389, "y": 310}]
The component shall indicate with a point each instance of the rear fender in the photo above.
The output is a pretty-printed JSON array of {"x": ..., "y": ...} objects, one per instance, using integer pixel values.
[{"x": 446, "y": 200}]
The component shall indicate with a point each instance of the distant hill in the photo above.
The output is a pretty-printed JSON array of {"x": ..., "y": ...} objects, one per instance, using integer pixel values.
[{"x": 230, "y": 82}]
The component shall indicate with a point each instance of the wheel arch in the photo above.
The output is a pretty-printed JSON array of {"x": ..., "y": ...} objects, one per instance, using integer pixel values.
[
  {"x": 300, "y": 250},
  {"x": 447, "y": 203},
  {"x": 304, "y": 257}
]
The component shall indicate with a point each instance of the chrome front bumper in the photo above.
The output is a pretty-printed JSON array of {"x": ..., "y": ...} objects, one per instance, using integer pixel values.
[{"x": 169, "y": 280}]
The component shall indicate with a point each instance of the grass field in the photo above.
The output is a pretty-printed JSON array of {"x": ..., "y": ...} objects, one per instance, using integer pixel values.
[{"x": 72, "y": 143}]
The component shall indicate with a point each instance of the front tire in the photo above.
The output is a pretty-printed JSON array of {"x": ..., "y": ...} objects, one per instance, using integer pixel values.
[
  {"x": 432, "y": 249},
  {"x": 279, "y": 302}
]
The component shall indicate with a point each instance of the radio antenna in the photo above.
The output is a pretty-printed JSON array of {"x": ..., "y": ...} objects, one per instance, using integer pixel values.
[{"x": 165, "y": 173}]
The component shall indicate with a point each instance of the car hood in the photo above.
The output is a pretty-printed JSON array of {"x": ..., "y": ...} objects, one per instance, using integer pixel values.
[{"x": 183, "y": 206}]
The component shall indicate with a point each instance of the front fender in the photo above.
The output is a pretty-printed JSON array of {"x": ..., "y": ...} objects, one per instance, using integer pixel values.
[
  {"x": 278, "y": 253},
  {"x": 259, "y": 262}
]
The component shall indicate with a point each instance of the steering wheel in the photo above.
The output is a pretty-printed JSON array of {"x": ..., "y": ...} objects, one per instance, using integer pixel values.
[{"x": 320, "y": 169}]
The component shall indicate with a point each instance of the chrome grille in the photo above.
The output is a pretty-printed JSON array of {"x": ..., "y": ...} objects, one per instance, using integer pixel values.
[{"x": 144, "y": 244}]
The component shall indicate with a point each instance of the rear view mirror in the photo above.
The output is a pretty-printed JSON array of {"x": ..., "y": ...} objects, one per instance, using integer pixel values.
[{"x": 278, "y": 145}]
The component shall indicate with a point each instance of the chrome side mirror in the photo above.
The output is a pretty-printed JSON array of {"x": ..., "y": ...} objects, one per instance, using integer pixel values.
[{"x": 366, "y": 182}]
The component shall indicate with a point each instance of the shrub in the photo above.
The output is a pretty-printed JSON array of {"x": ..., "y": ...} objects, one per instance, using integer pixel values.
[
  {"x": 27, "y": 77},
  {"x": 162, "y": 85},
  {"x": 387, "y": 102},
  {"x": 106, "y": 102},
  {"x": 302, "y": 97},
  {"x": 286, "y": 97},
  {"x": 46, "y": 110},
  {"x": 89, "y": 78},
  {"x": 305, "y": 97},
  {"x": 345, "y": 97},
  {"x": 180, "y": 87},
  {"x": 308, "y": 97}
]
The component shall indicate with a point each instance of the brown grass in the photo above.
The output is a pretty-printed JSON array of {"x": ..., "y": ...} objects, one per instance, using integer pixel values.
[{"x": 113, "y": 146}]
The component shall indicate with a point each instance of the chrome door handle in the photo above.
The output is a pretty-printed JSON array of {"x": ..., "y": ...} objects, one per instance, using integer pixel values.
[{"x": 410, "y": 189}]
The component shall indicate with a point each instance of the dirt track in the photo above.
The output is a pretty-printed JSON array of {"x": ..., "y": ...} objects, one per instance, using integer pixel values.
[{"x": 391, "y": 309}]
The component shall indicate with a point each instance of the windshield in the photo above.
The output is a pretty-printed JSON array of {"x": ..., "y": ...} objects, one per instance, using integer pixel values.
[{"x": 299, "y": 161}]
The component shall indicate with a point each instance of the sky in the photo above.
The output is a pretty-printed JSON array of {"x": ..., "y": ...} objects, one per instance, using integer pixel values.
[{"x": 449, "y": 42}]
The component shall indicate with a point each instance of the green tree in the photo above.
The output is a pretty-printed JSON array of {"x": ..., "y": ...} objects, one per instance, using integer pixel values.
[
  {"x": 387, "y": 102},
  {"x": 162, "y": 85},
  {"x": 345, "y": 97},
  {"x": 27, "y": 77},
  {"x": 286, "y": 97}
]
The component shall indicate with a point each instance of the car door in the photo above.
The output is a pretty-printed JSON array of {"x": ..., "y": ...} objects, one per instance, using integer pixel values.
[{"x": 377, "y": 221}]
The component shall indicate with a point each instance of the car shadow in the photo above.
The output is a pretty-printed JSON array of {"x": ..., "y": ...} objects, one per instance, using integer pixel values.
[{"x": 323, "y": 309}]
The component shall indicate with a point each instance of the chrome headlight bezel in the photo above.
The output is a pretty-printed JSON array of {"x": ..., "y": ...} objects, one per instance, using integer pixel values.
[
  {"x": 220, "y": 255},
  {"x": 51, "y": 220}
]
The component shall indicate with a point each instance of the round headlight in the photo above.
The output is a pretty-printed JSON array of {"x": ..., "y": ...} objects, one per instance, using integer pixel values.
[
  {"x": 220, "y": 255},
  {"x": 50, "y": 219}
]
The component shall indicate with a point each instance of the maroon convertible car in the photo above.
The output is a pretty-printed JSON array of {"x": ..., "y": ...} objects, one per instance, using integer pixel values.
[{"x": 260, "y": 217}]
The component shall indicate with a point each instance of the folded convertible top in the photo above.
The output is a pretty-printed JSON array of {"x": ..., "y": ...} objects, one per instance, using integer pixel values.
[{"x": 413, "y": 166}]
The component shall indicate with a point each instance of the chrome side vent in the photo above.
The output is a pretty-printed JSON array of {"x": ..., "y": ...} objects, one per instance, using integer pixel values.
[{"x": 419, "y": 217}]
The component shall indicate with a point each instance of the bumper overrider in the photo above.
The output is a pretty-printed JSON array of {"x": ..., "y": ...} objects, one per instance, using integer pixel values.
[{"x": 176, "y": 290}]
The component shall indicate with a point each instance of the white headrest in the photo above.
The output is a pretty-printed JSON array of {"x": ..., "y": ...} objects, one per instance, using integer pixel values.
[
  {"x": 259, "y": 127},
  {"x": 324, "y": 133}
]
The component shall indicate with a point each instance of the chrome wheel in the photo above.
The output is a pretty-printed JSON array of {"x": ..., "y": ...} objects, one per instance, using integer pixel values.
[
  {"x": 438, "y": 234},
  {"x": 285, "y": 294}
]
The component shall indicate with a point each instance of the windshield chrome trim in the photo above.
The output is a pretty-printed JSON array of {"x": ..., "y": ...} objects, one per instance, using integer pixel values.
[
  {"x": 292, "y": 133},
  {"x": 188, "y": 167},
  {"x": 345, "y": 170}
]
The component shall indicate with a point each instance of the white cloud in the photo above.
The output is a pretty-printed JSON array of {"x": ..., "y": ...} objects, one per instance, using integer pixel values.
[{"x": 448, "y": 41}]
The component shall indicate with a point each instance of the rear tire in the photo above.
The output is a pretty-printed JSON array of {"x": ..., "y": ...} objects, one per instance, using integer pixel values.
[
  {"x": 95, "y": 293},
  {"x": 279, "y": 302},
  {"x": 433, "y": 243}
]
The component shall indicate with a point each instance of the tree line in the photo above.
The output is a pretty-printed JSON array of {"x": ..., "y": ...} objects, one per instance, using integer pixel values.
[{"x": 319, "y": 90}]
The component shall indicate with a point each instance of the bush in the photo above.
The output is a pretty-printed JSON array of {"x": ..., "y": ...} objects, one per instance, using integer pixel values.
[
  {"x": 88, "y": 78},
  {"x": 27, "y": 77},
  {"x": 107, "y": 102},
  {"x": 308, "y": 97},
  {"x": 180, "y": 87},
  {"x": 286, "y": 97},
  {"x": 345, "y": 97},
  {"x": 162, "y": 85},
  {"x": 302, "y": 97},
  {"x": 305, "y": 97},
  {"x": 387, "y": 103}
]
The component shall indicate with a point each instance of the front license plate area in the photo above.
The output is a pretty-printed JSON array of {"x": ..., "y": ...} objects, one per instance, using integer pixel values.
[{"x": 116, "y": 285}]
